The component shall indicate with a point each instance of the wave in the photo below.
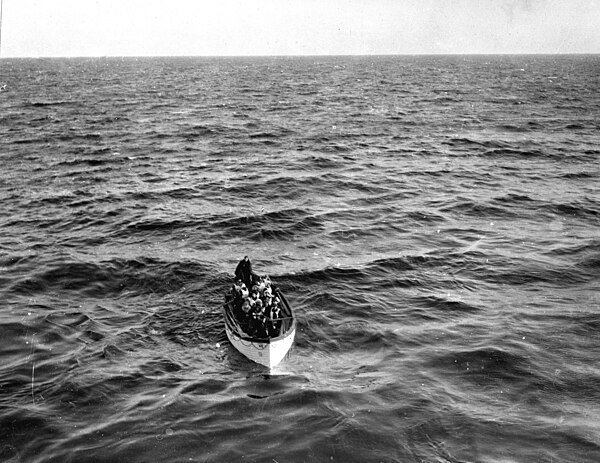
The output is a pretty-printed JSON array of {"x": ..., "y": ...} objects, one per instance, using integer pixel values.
[
  {"x": 578, "y": 175},
  {"x": 515, "y": 128},
  {"x": 503, "y": 149},
  {"x": 41, "y": 104},
  {"x": 486, "y": 366},
  {"x": 202, "y": 131},
  {"x": 375, "y": 275},
  {"x": 589, "y": 211},
  {"x": 491, "y": 144},
  {"x": 574, "y": 127},
  {"x": 516, "y": 199},
  {"x": 92, "y": 161},
  {"x": 528, "y": 274},
  {"x": 282, "y": 224},
  {"x": 576, "y": 250},
  {"x": 112, "y": 278},
  {"x": 445, "y": 306},
  {"x": 513, "y": 152},
  {"x": 478, "y": 209}
]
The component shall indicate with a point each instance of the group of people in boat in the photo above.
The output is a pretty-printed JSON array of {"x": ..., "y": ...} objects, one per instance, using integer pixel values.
[{"x": 256, "y": 303}]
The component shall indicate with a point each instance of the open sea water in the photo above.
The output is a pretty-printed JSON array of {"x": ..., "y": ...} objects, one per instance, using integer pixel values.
[{"x": 433, "y": 220}]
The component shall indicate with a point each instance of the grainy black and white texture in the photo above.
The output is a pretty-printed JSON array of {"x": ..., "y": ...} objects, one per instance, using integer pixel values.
[{"x": 435, "y": 222}]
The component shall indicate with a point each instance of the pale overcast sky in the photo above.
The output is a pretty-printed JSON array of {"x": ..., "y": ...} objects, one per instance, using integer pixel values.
[{"x": 297, "y": 27}]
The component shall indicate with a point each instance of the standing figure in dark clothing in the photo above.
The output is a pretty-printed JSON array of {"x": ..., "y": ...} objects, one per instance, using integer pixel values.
[{"x": 243, "y": 271}]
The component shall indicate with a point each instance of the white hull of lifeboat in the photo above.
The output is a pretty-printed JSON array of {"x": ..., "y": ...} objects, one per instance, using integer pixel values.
[{"x": 268, "y": 353}]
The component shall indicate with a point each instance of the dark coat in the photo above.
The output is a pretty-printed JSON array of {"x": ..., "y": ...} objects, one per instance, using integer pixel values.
[{"x": 243, "y": 271}]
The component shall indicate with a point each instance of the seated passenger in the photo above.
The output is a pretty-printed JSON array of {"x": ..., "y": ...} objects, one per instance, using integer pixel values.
[
  {"x": 268, "y": 302},
  {"x": 257, "y": 319},
  {"x": 277, "y": 302},
  {"x": 244, "y": 291},
  {"x": 274, "y": 322},
  {"x": 258, "y": 308},
  {"x": 267, "y": 292},
  {"x": 236, "y": 288},
  {"x": 246, "y": 306},
  {"x": 261, "y": 285}
]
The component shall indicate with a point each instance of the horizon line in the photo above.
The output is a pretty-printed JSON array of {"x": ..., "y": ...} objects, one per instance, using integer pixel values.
[{"x": 306, "y": 55}]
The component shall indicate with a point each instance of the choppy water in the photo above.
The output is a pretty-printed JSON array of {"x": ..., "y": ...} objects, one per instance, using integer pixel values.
[{"x": 433, "y": 220}]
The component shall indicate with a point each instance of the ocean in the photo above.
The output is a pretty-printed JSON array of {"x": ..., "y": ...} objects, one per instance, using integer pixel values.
[{"x": 433, "y": 220}]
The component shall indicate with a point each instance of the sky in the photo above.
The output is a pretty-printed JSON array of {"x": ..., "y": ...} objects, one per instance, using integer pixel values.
[{"x": 56, "y": 28}]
